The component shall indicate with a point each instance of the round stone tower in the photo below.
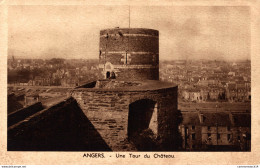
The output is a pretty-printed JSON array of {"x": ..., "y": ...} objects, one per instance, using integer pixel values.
[
  {"x": 133, "y": 102},
  {"x": 129, "y": 54}
]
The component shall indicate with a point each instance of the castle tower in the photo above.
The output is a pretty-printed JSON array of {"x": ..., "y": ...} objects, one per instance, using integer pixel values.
[
  {"x": 135, "y": 103},
  {"x": 129, "y": 54}
]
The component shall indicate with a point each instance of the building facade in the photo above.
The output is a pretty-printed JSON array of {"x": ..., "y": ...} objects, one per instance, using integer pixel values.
[{"x": 216, "y": 131}]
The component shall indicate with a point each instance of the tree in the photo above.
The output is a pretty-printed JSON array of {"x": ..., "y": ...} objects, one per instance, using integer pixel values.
[{"x": 23, "y": 75}]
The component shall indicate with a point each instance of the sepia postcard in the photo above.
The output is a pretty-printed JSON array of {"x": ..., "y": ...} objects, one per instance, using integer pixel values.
[{"x": 129, "y": 82}]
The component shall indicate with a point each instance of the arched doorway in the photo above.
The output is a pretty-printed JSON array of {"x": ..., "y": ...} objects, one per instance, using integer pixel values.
[
  {"x": 140, "y": 114},
  {"x": 142, "y": 124},
  {"x": 109, "y": 69},
  {"x": 108, "y": 74}
]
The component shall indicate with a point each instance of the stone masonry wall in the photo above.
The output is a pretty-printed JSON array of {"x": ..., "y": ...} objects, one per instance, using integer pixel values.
[
  {"x": 131, "y": 52},
  {"x": 108, "y": 112}
]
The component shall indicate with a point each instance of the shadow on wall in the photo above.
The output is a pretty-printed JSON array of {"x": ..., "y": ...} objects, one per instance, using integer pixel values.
[
  {"x": 142, "y": 114},
  {"x": 22, "y": 114},
  {"x": 139, "y": 119},
  {"x": 146, "y": 140},
  {"x": 63, "y": 127}
]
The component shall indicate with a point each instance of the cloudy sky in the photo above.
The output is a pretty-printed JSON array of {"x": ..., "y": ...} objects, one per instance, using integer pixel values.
[{"x": 185, "y": 32}]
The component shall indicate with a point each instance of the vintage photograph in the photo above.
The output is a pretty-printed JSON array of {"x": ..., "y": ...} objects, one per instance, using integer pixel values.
[{"x": 129, "y": 78}]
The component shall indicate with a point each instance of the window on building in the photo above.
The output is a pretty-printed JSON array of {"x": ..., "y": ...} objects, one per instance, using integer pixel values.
[
  {"x": 228, "y": 137},
  {"x": 193, "y": 127},
  {"x": 218, "y": 136},
  {"x": 209, "y": 128},
  {"x": 228, "y": 128},
  {"x": 193, "y": 136},
  {"x": 209, "y": 138}
]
